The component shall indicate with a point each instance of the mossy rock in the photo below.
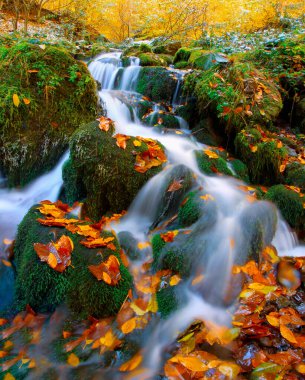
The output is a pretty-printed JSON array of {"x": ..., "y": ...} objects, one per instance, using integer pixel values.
[
  {"x": 44, "y": 289},
  {"x": 182, "y": 55},
  {"x": 156, "y": 83},
  {"x": 88, "y": 296},
  {"x": 74, "y": 189},
  {"x": 205, "y": 60},
  {"x": 295, "y": 175},
  {"x": 169, "y": 48},
  {"x": 289, "y": 203},
  {"x": 37, "y": 284},
  {"x": 240, "y": 170},
  {"x": 144, "y": 107},
  {"x": 162, "y": 120},
  {"x": 212, "y": 165},
  {"x": 151, "y": 59},
  {"x": 54, "y": 94},
  {"x": 263, "y": 158},
  {"x": 169, "y": 300},
  {"x": 181, "y": 65},
  {"x": 258, "y": 222},
  {"x": 228, "y": 93},
  {"x": 107, "y": 172}
]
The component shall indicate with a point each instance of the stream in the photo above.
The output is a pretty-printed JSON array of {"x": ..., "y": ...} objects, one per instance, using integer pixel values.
[{"x": 231, "y": 207}]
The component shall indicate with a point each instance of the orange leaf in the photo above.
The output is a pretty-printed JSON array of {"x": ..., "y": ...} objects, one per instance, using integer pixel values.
[
  {"x": 73, "y": 360},
  {"x": 253, "y": 148},
  {"x": 129, "y": 326},
  {"x": 175, "y": 185},
  {"x": 97, "y": 243},
  {"x": 108, "y": 271},
  {"x": 121, "y": 140},
  {"x": 26, "y": 101},
  {"x": 105, "y": 123},
  {"x": 169, "y": 237},
  {"x": 192, "y": 363},
  {"x": 210, "y": 153},
  {"x": 132, "y": 364},
  {"x": 287, "y": 334},
  {"x": 238, "y": 110}
]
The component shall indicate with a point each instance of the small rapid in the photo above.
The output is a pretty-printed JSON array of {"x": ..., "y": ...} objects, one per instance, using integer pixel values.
[{"x": 224, "y": 241}]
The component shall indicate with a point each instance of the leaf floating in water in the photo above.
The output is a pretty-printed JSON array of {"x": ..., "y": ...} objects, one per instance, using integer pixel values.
[
  {"x": 73, "y": 360},
  {"x": 175, "y": 186},
  {"x": 57, "y": 255},
  {"x": 132, "y": 364},
  {"x": 169, "y": 237},
  {"x": 108, "y": 271}
]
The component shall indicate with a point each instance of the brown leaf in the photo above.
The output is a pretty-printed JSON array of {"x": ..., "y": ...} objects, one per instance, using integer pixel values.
[
  {"x": 175, "y": 186},
  {"x": 121, "y": 140}
]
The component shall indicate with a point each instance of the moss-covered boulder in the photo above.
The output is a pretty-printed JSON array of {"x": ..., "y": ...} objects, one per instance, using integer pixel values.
[
  {"x": 169, "y": 48},
  {"x": 299, "y": 115},
  {"x": 237, "y": 95},
  {"x": 88, "y": 296},
  {"x": 205, "y": 60},
  {"x": 156, "y": 83},
  {"x": 45, "y": 94},
  {"x": 43, "y": 288},
  {"x": 262, "y": 155},
  {"x": 295, "y": 175},
  {"x": 162, "y": 120},
  {"x": 182, "y": 55},
  {"x": 146, "y": 55},
  {"x": 210, "y": 164},
  {"x": 37, "y": 284},
  {"x": 290, "y": 203},
  {"x": 107, "y": 172},
  {"x": 73, "y": 189}
]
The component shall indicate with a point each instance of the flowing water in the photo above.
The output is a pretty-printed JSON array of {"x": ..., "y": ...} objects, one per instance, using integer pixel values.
[{"x": 230, "y": 207}]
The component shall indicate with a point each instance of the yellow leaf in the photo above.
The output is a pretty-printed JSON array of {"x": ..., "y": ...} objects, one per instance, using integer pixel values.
[
  {"x": 153, "y": 304},
  {"x": 287, "y": 334},
  {"x": 6, "y": 263},
  {"x": 179, "y": 133},
  {"x": 137, "y": 143},
  {"x": 26, "y": 101},
  {"x": 207, "y": 197},
  {"x": 52, "y": 261},
  {"x": 192, "y": 363},
  {"x": 262, "y": 288},
  {"x": 132, "y": 364},
  {"x": 129, "y": 326},
  {"x": 197, "y": 279},
  {"x": 73, "y": 360},
  {"x": 254, "y": 149},
  {"x": 210, "y": 153},
  {"x": 273, "y": 321},
  {"x": 143, "y": 245},
  {"x": 106, "y": 278},
  {"x": 16, "y": 100},
  {"x": 230, "y": 370},
  {"x": 8, "y": 376},
  {"x": 301, "y": 368},
  {"x": 109, "y": 339},
  {"x": 174, "y": 280},
  {"x": 7, "y": 241}
]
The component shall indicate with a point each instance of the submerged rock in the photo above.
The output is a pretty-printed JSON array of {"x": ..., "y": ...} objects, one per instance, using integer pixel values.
[{"x": 45, "y": 95}]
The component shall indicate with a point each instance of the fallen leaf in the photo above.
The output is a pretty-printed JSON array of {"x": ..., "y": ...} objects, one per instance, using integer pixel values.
[
  {"x": 175, "y": 186},
  {"x": 132, "y": 364},
  {"x": 108, "y": 271},
  {"x": 16, "y": 100},
  {"x": 73, "y": 360}
]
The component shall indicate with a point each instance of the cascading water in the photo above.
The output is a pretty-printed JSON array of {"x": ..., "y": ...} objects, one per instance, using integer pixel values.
[{"x": 225, "y": 236}]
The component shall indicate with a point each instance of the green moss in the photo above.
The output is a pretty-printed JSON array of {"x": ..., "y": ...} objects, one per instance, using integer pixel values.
[
  {"x": 222, "y": 91},
  {"x": 145, "y": 48},
  {"x": 74, "y": 189},
  {"x": 107, "y": 171},
  {"x": 162, "y": 120},
  {"x": 295, "y": 175},
  {"x": 168, "y": 300},
  {"x": 289, "y": 203},
  {"x": 264, "y": 163},
  {"x": 36, "y": 283},
  {"x": 182, "y": 54},
  {"x": 212, "y": 165},
  {"x": 240, "y": 170},
  {"x": 61, "y": 95},
  {"x": 151, "y": 59},
  {"x": 181, "y": 65},
  {"x": 156, "y": 83},
  {"x": 190, "y": 210},
  {"x": 88, "y": 296},
  {"x": 171, "y": 256}
]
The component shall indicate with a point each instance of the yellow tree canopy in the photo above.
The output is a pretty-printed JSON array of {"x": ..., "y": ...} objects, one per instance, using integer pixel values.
[{"x": 183, "y": 19}]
